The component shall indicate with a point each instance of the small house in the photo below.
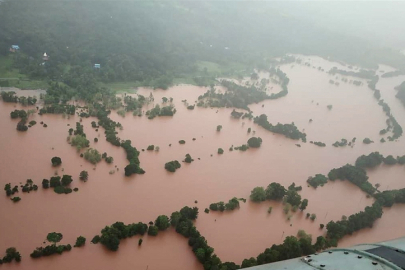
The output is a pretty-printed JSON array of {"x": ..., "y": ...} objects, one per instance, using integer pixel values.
[
  {"x": 97, "y": 66},
  {"x": 45, "y": 57},
  {"x": 14, "y": 48}
]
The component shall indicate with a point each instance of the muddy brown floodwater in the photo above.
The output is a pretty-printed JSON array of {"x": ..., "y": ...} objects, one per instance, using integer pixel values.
[{"x": 236, "y": 235}]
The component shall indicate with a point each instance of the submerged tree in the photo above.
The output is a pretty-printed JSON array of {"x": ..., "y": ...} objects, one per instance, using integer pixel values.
[
  {"x": 80, "y": 241},
  {"x": 56, "y": 161},
  {"x": 258, "y": 194},
  {"x": 275, "y": 191},
  {"x": 92, "y": 155},
  {"x": 54, "y": 237},
  {"x": 84, "y": 175},
  {"x": 254, "y": 142},
  {"x": 172, "y": 166}
]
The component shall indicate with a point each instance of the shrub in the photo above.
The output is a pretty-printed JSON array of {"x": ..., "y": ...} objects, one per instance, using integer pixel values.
[
  {"x": 109, "y": 160},
  {"x": 162, "y": 222},
  {"x": 56, "y": 161},
  {"x": 45, "y": 183},
  {"x": 54, "y": 237},
  {"x": 16, "y": 199},
  {"x": 84, "y": 175},
  {"x": 92, "y": 155},
  {"x": 62, "y": 190},
  {"x": 367, "y": 141},
  {"x": 188, "y": 159},
  {"x": 55, "y": 181},
  {"x": 66, "y": 180},
  {"x": 11, "y": 254},
  {"x": 254, "y": 142},
  {"x": 153, "y": 230},
  {"x": 172, "y": 166},
  {"x": 96, "y": 239},
  {"x": 150, "y": 147},
  {"x": 258, "y": 194},
  {"x": 133, "y": 168},
  {"x": 317, "y": 180},
  {"x": 80, "y": 241},
  {"x": 80, "y": 142}
]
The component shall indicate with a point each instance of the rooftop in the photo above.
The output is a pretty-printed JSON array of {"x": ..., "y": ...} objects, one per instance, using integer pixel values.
[{"x": 378, "y": 256}]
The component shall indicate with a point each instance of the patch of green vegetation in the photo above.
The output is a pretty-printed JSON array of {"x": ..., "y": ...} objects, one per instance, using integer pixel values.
[
  {"x": 6, "y": 68},
  {"x": 123, "y": 87},
  {"x": 16, "y": 199},
  {"x": 12, "y": 77},
  {"x": 172, "y": 166},
  {"x": 221, "y": 206},
  {"x": 184, "y": 80},
  {"x": 209, "y": 67},
  {"x": 54, "y": 237},
  {"x": 80, "y": 241}
]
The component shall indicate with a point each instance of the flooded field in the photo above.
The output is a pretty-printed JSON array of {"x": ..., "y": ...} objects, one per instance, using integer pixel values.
[{"x": 107, "y": 198}]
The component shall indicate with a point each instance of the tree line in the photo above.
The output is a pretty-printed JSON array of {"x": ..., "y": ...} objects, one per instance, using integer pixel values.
[{"x": 288, "y": 130}]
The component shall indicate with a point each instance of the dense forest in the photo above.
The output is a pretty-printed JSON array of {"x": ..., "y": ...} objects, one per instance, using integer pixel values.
[{"x": 154, "y": 42}]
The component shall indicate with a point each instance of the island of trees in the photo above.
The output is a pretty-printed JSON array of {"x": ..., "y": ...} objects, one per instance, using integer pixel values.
[
  {"x": 317, "y": 180},
  {"x": 363, "y": 74},
  {"x": 277, "y": 192},
  {"x": 158, "y": 111},
  {"x": 51, "y": 249},
  {"x": 56, "y": 161},
  {"x": 320, "y": 144},
  {"x": 188, "y": 159},
  {"x": 11, "y": 254},
  {"x": 221, "y": 206},
  {"x": 288, "y": 130},
  {"x": 342, "y": 143},
  {"x": 80, "y": 241},
  {"x": 172, "y": 166},
  {"x": 239, "y": 96},
  {"x": 254, "y": 142}
]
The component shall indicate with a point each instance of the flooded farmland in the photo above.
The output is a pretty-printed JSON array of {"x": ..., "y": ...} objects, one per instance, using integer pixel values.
[{"x": 106, "y": 198}]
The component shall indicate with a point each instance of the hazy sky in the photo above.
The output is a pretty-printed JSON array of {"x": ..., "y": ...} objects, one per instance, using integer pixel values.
[{"x": 381, "y": 21}]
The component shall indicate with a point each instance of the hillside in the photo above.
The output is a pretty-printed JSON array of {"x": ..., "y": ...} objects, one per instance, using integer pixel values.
[{"x": 144, "y": 40}]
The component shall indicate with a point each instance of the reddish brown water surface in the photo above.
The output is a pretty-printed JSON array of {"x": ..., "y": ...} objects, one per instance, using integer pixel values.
[{"x": 243, "y": 233}]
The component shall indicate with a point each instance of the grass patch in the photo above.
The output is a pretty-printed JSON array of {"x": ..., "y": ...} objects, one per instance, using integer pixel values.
[
  {"x": 17, "y": 79},
  {"x": 7, "y": 70},
  {"x": 28, "y": 84},
  {"x": 123, "y": 87},
  {"x": 210, "y": 67}
]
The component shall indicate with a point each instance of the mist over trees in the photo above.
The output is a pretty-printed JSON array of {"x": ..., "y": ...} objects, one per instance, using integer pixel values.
[{"x": 170, "y": 45}]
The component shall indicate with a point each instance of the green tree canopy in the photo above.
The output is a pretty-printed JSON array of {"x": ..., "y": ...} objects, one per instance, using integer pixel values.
[
  {"x": 275, "y": 191},
  {"x": 258, "y": 194},
  {"x": 54, "y": 237},
  {"x": 254, "y": 142}
]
